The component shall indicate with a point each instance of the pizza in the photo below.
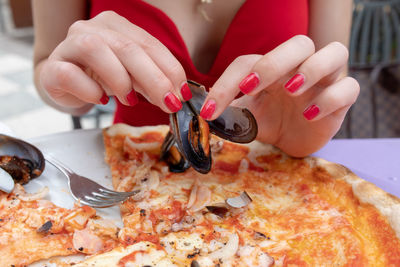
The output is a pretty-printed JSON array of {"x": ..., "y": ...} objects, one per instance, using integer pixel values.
[
  {"x": 256, "y": 207},
  {"x": 33, "y": 228}
]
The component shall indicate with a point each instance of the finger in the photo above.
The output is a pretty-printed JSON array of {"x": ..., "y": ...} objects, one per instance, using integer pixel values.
[
  {"x": 335, "y": 97},
  {"x": 226, "y": 87},
  {"x": 90, "y": 51},
  {"x": 155, "y": 85},
  {"x": 326, "y": 62},
  {"x": 277, "y": 63},
  {"x": 160, "y": 54},
  {"x": 68, "y": 85}
]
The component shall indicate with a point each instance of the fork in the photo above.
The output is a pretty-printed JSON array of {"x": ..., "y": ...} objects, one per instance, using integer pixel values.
[{"x": 87, "y": 191}]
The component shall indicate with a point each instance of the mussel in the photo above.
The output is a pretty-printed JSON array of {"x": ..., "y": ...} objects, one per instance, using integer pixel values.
[
  {"x": 20, "y": 159},
  {"x": 190, "y": 134}
]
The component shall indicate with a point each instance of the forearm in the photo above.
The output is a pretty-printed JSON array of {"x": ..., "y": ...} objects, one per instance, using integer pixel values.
[
  {"x": 52, "y": 20},
  {"x": 47, "y": 99}
]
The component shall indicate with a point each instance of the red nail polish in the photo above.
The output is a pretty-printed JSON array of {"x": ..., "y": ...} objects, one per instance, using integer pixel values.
[
  {"x": 104, "y": 99},
  {"x": 311, "y": 112},
  {"x": 172, "y": 102},
  {"x": 208, "y": 109},
  {"x": 185, "y": 92},
  {"x": 132, "y": 98},
  {"x": 249, "y": 83},
  {"x": 295, "y": 83}
]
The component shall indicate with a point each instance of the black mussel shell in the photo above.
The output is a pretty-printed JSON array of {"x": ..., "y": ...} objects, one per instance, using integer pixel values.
[
  {"x": 172, "y": 156},
  {"x": 234, "y": 124},
  {"x": 192, "y": 138},
  {"x": 180, "y": 124},
  {"x": 20, "y": 159}
]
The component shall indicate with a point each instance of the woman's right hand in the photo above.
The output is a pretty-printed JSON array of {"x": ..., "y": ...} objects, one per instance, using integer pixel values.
[{"x": 108, "y": 55}]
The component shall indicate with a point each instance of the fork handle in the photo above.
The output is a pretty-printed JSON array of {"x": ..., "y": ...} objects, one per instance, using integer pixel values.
[{"x": 60, "y": 166}]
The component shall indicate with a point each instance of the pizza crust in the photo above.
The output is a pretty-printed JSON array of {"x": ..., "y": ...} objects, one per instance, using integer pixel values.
[
  {"x": 124, "y": 129},
  {"x": 387, "y": 204},
  {"x": 366, "y": 192}
]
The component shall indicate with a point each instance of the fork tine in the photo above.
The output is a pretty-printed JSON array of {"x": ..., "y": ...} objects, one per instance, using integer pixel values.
[
  {"x": 91, "y": 201},
  {"x": 108, "y": 197},
  {"x": 97, "y": 204},
  {"x": 114, "y": 193}
]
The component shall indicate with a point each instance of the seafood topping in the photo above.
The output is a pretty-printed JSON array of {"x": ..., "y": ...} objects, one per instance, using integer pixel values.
[
  {"x": 240, "y": 201},
  {"x": 45, "y": 227},
  {"x": 20, "y": 159},
  {"x": 191, "y": 133},
  {"x": 172, "y": 156},
  {"x": 220, "y": 210},
  {"x": 199, "y": 133}
]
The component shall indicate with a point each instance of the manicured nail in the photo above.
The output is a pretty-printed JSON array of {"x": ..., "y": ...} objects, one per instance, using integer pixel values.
[
  {"x": 249, "y": 83},
  {"x": 172, "y": 102},
  {"x": 295, "y": 83},
  {"x": 104, "y": 99},
  {"x": 208, "y": 109},
  {"x": 132, "y": 98},
  {"x": 311, "y": 112},
  {"x": 185, "y": 92}
]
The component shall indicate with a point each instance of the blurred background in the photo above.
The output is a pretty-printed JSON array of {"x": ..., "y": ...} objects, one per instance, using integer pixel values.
[
  {"x": 21, "y": 108},
  {"x": 374, "y": 62}
]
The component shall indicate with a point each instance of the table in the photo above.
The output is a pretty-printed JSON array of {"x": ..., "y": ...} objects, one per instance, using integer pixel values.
[{"x": 375, "y": 160}]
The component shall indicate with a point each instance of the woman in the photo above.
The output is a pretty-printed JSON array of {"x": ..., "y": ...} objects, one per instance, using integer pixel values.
[{"x": 294, "y": 85}]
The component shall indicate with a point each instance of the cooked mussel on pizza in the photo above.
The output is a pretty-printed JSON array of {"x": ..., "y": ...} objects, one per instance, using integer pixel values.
[{"x": 210, "y": 195}]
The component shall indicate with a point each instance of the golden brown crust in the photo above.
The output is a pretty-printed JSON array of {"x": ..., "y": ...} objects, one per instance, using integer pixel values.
[
  {"x": 124, "y": 129},
  {"x": 387, "y": 204}
]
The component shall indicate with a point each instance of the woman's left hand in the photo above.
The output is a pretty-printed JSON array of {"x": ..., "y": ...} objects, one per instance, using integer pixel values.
[{"x": 297, "y": 95}]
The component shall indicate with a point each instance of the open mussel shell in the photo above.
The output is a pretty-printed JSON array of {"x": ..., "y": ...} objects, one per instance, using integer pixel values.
[
  {"x": 20, "y": 159},
  {"x": 234, "y": 124},
  {"x": 181, "y": 126},
  {"x": 172, "y": 156}
]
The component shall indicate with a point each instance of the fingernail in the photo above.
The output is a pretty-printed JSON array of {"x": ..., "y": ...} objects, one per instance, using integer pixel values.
[
  {"x": 208, "y": 109},
  {"x": 104, "y": 99},
  {"x": 311, "y": 112},
  {"x": 249, "y": 83},
  {"x": 185, "y": 92},
  {"x": 132, "y": 98},
  {"x": 295, "y": 83},
  {"x": 172, "y": 102}
]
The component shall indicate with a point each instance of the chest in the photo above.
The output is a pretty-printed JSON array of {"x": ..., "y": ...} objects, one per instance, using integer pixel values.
[{"x": 201, "y": 25}]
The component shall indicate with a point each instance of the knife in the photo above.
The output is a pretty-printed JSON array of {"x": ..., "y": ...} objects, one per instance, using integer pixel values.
[{"x": 6, "y": 181}]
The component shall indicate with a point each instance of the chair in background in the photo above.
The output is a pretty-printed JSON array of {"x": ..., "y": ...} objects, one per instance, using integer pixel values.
[
  {"x": 96, "y": 113},
  {"x": 374, "y": 47}
]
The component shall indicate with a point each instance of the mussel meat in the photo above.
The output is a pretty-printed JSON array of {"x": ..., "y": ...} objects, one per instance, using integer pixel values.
[
  {"x": 172, "y": 156},
  {"x": 199, "y": 136},
  {"x": 191, "y": 134},
  {"x": 20, "y": 159}
]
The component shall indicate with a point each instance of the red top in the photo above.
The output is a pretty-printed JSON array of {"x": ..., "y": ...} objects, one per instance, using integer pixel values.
[{"x": 264, "y": 24}]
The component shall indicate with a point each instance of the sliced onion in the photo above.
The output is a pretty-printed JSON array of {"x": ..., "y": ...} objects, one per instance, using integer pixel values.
[
  {"x": 227, "y": 251},
  {"x": 87, "y": 242},
  {"x": 35, "y": 196},
  {"x": 202, "y": 198},
  {"x": 141, "y": 146},
  {"x": 193, "y": 193},
  {"x": 265, "y": 260},
  {"x": 240, "y": 201}
]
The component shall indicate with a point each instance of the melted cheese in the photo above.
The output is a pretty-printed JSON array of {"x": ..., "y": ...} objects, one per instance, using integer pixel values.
[{"x": 298, "y": 214}]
